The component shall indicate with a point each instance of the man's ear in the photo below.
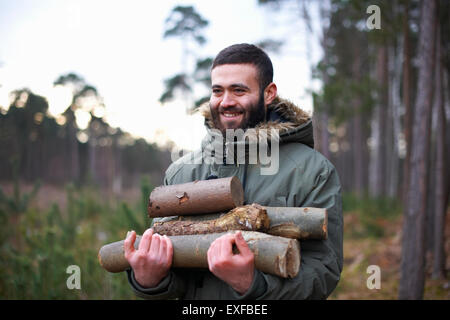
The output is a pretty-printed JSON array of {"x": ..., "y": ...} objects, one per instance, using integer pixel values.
[{"x": 270, "y": 92}]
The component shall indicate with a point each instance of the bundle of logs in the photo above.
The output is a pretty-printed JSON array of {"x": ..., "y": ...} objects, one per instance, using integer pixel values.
[{"x": 199, "y": 212}]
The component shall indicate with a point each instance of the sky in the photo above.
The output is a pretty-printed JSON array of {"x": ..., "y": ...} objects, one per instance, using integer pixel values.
[{"x": 118, "y": 47}]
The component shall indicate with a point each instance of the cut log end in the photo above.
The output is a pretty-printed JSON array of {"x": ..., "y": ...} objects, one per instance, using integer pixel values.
[
  {"x": 293, "y": 259},
  {"x": 99, "y": 257},
  {"x": 285, "y": 253},
  {"x": 325, "y": 226}
]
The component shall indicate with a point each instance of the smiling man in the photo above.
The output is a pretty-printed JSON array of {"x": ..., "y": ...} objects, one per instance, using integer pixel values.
[
  {"x": 237, "y": 101},
  {"x": 244, "y": 97}
]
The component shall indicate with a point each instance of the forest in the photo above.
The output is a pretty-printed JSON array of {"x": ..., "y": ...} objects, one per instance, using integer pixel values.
[{"x": 381, "y": 116}]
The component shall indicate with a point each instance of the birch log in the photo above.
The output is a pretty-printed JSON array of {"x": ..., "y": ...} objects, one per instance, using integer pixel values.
[
  {"x": 199, "y": 197},
  {"x": 273, "y": 255}
]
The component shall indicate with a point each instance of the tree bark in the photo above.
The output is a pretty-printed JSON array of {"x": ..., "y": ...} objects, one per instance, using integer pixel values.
[
  {"x": 406, "y": 100},
  {"x": 394, "y": 103},
  {"x": 378, "y": 153},
  {"x": 198, "y": 197},
  {"x": 412, "y": 278},
  {"x": 441, "y": 188},
  {"x": 321, "y": 117},
  {"x": 273, "y": 255},
  {"x": 355, "y": 124}
]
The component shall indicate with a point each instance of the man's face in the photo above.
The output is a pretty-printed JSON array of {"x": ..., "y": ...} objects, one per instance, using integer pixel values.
[{"x": 236, "y": 100}]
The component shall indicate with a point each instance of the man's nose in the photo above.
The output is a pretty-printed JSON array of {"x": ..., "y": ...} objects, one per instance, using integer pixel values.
[{"x": 227, "y": 100}]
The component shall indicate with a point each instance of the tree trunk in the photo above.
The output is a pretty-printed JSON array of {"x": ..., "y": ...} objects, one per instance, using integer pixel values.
[
  {"x": 204, "y": 196},
  {"x": 273, "y": 255},
  {"x": 324, "y": 134},
  {"x": 406, "y": 100},
  {"x": 394, "y": 103},
  {"x": 357, "y": 129},
  {"x": 441, "y": 188},
  {"x": 321, "y": 117},
  {"x": 378, "y": 170},
  {"x": 412, "y": 278},
  {"x": 73, "y": 156}
]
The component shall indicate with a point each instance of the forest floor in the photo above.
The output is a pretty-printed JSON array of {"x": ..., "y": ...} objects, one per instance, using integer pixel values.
[{"x": 384, "y": 252}]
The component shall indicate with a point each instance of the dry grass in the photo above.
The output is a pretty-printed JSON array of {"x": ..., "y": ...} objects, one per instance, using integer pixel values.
[
  {"x": 50, "y": 194},
  {"x": 385, "y": 252}
]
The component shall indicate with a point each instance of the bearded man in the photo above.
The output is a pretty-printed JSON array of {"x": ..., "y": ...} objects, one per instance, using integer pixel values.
[{"x": 244, "y": 97}]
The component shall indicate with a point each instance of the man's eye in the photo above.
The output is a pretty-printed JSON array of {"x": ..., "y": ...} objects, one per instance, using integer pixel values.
[
  {"x": 216, "y": 91},
  {"x": 237, "y": 90}
]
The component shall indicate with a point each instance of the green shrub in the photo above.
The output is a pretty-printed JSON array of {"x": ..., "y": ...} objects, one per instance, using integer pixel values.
[{"x": 36, "y": 251}]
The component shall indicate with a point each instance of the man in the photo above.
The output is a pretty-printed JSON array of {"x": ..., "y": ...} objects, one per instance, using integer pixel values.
[{"x": 243, "y": 97}]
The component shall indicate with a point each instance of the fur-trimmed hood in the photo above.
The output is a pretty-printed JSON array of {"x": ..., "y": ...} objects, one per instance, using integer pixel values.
[{"x": 293, "y": 123}]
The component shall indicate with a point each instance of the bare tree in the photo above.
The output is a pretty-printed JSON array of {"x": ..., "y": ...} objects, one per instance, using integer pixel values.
[
  {"x": 412, "y": 278},
  {"x": 377, "y": 181},
  {"x": 441, "y": 188},
  {"x": 406, "y": 98}
]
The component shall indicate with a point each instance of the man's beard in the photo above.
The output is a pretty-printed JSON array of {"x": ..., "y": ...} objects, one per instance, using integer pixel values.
[{"x": 256, "y": 114}]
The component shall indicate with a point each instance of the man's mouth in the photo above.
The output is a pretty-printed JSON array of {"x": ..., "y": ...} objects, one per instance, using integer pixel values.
[{"x": 231, "y": 114}]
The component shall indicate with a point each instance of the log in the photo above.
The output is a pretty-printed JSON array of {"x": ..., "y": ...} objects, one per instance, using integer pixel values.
[
  {"x": 298, "y": 223},
  {"x": 273, "y": 255},
  {"x": 199, "y": 197},
  {"x": 290, "y": 222},
  {"x": 246, "y": 218}
]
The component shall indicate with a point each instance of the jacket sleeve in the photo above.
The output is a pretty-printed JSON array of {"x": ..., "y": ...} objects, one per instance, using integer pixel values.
[
  {"x": 171, "y": 287},
  {"x": 321, "y": 260}
]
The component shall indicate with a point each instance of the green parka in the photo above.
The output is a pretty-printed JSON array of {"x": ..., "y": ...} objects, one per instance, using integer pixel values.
[{"x": 305, "y": 178}]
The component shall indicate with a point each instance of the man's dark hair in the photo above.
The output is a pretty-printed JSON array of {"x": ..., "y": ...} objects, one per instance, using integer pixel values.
[{"x": 247, "y": 53}]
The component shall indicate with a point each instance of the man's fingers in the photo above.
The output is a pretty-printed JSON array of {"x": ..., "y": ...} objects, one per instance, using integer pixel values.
[
  {"x": 241, "y": 244},
  {"x": 146, "y": 240},
  {"x": 162, "y": 247},
  {"x": 213, "y": 252},
  {"x": 212, "y": 256},
  {"x": 226, "y": 246},
  {"x": 128, "y": 245},
  {"x": 169, "y": 249},
  {"x": 154, "y": 247}
]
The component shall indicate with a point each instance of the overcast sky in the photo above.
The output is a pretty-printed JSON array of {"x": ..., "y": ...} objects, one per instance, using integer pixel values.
[{"x": 117, "y": 46}]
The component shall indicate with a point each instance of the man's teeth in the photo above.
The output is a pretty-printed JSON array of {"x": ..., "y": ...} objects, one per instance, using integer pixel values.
[{"x": 230, "y": 115}]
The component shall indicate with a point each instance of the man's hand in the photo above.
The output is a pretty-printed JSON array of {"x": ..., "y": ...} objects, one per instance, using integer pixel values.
[
  {"x": 235, "y": 269},
  {"x": 151, "y": 262}
]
